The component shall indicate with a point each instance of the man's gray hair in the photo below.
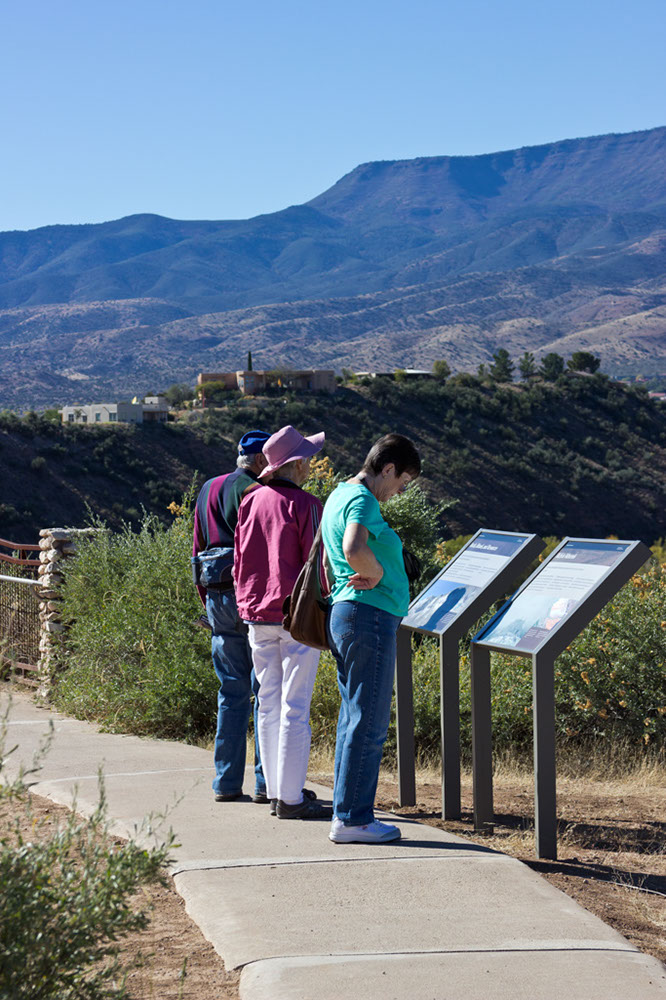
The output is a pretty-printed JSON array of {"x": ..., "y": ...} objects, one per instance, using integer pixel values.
[{"x": 245, "y": 461}]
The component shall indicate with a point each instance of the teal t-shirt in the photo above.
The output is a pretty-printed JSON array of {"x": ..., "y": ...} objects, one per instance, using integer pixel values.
[{"x": 351, "y": 503}]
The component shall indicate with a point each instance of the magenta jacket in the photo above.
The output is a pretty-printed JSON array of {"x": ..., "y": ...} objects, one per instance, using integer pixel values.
[{"x": 274, "y": 535}]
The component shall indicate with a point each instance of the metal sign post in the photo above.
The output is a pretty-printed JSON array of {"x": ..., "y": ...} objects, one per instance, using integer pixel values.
[
  {"x": 449, "y": 701},
  {"x": 482, "y": 746},
  {"x": 541, "y": 619},
  {"x": 448, "y": 607},
  {"x": 545, "y": 795},
  {"x": 404, "y": 719}
]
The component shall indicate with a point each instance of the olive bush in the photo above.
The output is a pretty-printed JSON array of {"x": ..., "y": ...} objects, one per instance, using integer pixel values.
[
  {"x": 67, "y": 901},
  {"x": 136, "y": 662}
]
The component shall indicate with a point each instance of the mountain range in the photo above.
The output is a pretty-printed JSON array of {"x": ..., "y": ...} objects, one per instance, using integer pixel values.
[{"x": 556, "y": 247}]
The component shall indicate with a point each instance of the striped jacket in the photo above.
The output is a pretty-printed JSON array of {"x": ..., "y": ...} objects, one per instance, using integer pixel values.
[{"x": 216, "y": 512}]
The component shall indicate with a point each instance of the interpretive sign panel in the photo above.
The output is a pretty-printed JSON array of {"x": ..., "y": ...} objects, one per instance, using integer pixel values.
[
  {"x": 552, "y": 594},
  {"x": 463, "y": 579},
  {"x": 547, "y": 613}
]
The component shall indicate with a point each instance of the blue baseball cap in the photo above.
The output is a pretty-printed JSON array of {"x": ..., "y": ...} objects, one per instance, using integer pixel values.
[{"x": 252, "y": 442}]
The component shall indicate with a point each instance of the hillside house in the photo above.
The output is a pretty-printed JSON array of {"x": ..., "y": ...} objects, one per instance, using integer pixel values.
[
  {"x": 154, "y": 409},
  {"x": 407, "y": 373},
  {"x": 251, "y": 383}
]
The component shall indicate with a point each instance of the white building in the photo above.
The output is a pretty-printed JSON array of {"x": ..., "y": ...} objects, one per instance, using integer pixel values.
[{"x": 153, "y": 409}]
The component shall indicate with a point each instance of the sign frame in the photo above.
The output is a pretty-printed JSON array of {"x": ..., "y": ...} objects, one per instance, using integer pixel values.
[
  {"x": 543, "y": 658},
  {"x": 449, "y": 639},
  {"x": 504, "y": 575}
]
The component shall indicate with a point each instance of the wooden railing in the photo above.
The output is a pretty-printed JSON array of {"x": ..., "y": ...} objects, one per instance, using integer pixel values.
[
  {"x": 22, "y": 559},
  {"x": 19, "y": 611}
]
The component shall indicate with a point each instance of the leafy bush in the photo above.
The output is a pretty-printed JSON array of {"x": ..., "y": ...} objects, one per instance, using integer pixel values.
[
  {"x": 66, "y": 901},
  {"x": 135, "y": 661},
  {"x": 417, "y": 519},
  {"x": 611, "y": 681}
]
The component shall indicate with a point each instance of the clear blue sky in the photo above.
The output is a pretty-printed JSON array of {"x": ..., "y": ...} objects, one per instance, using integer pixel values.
[{"x": 214, "y": 109}]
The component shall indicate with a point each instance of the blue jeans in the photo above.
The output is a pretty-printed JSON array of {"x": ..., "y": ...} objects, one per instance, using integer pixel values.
[
  {"x": 363, "y": 642},
  {"x": 232, "y": 661}
]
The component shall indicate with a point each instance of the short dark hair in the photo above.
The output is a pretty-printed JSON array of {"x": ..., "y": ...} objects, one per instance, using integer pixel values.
[{"x": 395, "y": 449}]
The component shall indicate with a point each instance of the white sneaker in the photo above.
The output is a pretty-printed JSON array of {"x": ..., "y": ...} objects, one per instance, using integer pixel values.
[{"x": 371, "y": 833}]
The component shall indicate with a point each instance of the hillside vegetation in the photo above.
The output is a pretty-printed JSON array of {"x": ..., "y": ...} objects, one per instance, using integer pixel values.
[
  {"x": 578, "y": 456},
  {"x": 550, "y": 248}
]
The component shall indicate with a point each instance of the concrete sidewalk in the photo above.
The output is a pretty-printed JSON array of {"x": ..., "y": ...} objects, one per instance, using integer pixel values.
[{"x": 432, "y": 917}]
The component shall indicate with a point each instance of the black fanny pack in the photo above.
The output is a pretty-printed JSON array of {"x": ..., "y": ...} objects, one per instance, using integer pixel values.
[{"x": 212, "y": 569}]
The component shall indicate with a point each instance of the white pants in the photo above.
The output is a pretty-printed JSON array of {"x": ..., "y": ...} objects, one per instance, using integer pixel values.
[{"x": 286, "y": 672}]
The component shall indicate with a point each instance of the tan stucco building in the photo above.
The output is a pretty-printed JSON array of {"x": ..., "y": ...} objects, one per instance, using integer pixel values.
[{"x": 252, "y": 382}]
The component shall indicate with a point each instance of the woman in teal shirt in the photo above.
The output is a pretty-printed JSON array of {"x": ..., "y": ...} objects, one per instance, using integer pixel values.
[{"x": 369, "y": 595}]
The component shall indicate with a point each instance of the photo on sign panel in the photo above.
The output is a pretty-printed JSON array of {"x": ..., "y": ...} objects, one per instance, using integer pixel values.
[
  {"x": 461, "y": 581},
  {"x": 440, "y": 603},
  {"x": 566, "y": 580}
]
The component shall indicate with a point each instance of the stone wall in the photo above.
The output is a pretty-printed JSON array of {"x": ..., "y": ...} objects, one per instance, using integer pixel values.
[{"x": 56, "y": 546}]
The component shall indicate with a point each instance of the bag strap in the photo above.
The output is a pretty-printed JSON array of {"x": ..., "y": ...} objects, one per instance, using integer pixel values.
[{"x": 314, "y": 556}]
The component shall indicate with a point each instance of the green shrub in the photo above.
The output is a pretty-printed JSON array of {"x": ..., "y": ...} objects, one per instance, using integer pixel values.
[
  {"x": 135, "y": 660},
  {"x": 66, "y": 902},
  {"x": 417, "y": 521},
  {"x": 325, "y": 704},
  {"x": 611, "y": 681}
]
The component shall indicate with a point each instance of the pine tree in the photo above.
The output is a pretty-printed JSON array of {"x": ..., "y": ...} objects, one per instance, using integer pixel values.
[
  {"x": 527, "y": 366},
  {"x": 249, "y": 361},
  {"x": 583, "y": 361},
  {"x": 552, "y": 367},
  {"x": 502, "y": 368}
]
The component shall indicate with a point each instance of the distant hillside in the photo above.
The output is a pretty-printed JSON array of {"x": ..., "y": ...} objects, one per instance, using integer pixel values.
[
  {"x": 398, "y": 263},
  {"x": 583, "y": 456}
]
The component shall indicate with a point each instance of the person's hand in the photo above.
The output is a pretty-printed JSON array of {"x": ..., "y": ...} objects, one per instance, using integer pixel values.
[{"x": 359, "y": 582}]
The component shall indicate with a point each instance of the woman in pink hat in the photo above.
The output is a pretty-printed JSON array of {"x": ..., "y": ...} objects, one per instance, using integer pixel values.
[{"x": 275, "y": 531}]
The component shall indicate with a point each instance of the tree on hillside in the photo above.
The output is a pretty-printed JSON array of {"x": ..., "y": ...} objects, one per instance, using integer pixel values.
[
  {"x": 214, "y": 392},
  {"x": 501, "y": 369},
  {"x": 552, "y": 366},
  {"x": 249, "y": 361},
  {"x": 441, "y": 370},
  {"x": 527, "y": 366},
  {"x": 583, "y": 361},
  {"x": 178, "y": 393}
]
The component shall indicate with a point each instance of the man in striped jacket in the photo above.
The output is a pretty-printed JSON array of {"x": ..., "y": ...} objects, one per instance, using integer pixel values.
[{"x": 215, "y": 520}]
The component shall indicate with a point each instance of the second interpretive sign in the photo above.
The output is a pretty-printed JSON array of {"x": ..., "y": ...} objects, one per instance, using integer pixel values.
[{"x": 550, "y": 596}]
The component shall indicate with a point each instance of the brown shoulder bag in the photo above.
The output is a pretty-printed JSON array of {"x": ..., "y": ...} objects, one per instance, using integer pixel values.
[{"x": 306, "y": 609}]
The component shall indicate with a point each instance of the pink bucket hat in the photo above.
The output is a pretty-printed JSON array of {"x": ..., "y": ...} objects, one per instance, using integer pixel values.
[{"x": 286, "y": 445}]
